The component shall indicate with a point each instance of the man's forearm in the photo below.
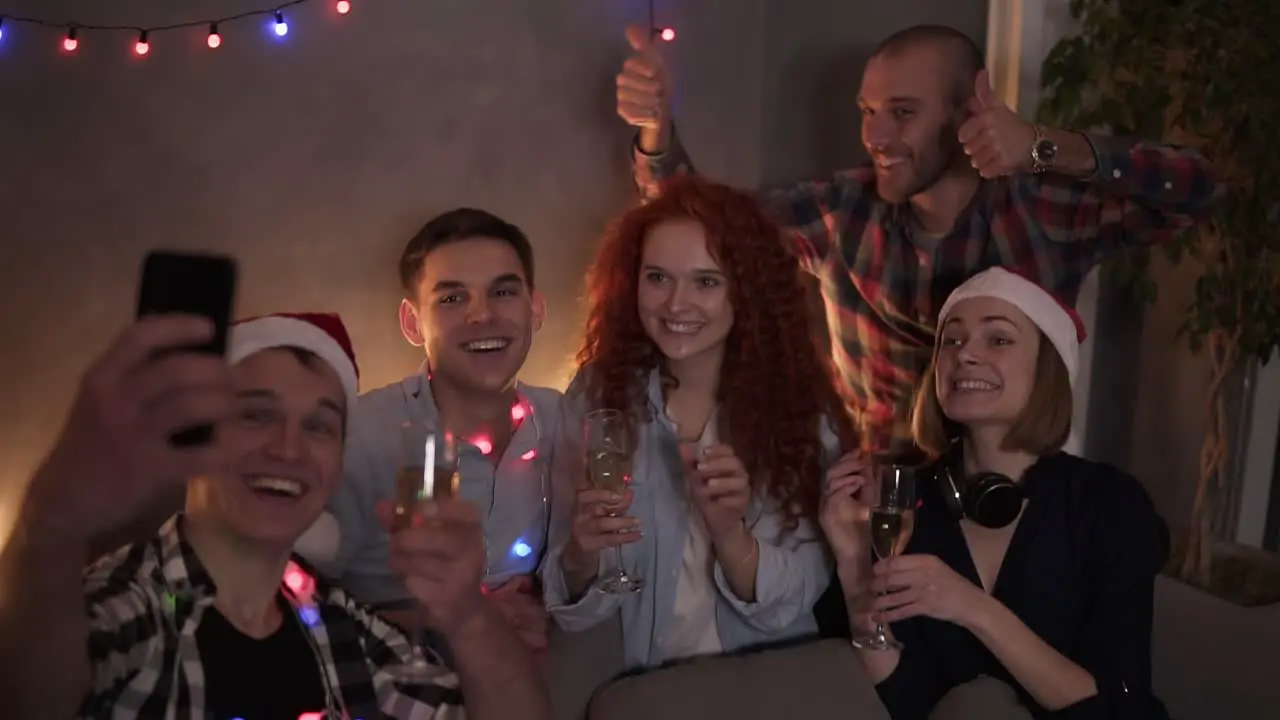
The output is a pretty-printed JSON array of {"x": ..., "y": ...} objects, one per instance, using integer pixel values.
[
  {"x": 498, "y": 675},
  {"x": 44, "y": 666}
]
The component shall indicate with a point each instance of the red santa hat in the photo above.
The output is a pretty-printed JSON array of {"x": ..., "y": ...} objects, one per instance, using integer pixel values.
[
  {"x": 325, "y": 335},
  {"x": 320, "y": 333},
  {"x": 1059, "y": 323}
]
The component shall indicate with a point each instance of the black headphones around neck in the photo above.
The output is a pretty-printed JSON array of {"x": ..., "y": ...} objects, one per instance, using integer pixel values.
[{"x": 989, "y": 499}]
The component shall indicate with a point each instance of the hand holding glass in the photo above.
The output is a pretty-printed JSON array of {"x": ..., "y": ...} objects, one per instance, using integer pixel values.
[
  {"x": 892, "y": 521},
  {"x": 609, "y": 465},
  {"x": 427, "y": 469}
]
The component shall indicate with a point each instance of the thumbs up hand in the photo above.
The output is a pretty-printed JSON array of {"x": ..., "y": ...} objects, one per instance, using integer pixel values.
[
  {"x": 997, "y": 141},
  {"x": 642, "y": 90}
]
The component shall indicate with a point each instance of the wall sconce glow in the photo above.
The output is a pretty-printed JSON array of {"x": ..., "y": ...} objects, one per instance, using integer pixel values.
[
  {"x": 521, "y": 549},
  {"x": 282, "y": 27}
]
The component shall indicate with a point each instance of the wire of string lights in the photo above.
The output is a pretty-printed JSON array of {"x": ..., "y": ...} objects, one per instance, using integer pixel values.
[{"x": 74, "y": 32}]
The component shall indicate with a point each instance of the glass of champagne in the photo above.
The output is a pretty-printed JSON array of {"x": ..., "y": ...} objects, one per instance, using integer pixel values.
[
  {"x": 892, "y": 520},
  {"x": 427, "y": 469},
  {"x": 609, "y": 465}
]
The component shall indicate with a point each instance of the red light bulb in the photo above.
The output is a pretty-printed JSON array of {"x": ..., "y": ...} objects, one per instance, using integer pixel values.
[
  {"x": 69, "y": 43},
  {"x": 343, "y": 7},
  {"x": 142, "y": 47},
  {"x": 667, "y": 34},
  {"x": 214, "y": 38}
]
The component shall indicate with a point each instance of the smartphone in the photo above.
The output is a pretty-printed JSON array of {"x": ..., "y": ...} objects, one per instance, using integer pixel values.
[{"x": 191, "y": 284}]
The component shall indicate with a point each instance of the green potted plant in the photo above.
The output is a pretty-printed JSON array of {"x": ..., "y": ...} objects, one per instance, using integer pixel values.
[{"x": 1202, "y": 73}]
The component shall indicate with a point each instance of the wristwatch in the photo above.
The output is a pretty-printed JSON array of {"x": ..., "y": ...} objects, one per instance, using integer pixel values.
[{"x": 1043, "y": 151}]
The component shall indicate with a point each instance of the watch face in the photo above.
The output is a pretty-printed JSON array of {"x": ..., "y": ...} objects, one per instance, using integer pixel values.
[{"x": 1045, "y": 151}]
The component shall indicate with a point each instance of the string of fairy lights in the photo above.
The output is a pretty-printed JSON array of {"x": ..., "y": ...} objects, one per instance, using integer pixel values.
[{"x": 73, "y": 33}]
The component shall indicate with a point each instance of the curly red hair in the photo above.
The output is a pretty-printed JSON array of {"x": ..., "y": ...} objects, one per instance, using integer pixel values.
[{"x": 776, "y": 385}]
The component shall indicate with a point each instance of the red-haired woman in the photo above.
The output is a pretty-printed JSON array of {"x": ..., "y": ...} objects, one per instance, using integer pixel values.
[{"x": 700, "y": 334}]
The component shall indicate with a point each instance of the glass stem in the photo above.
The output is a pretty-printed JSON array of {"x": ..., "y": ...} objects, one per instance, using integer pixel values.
[{"x": 617, "y": 549}]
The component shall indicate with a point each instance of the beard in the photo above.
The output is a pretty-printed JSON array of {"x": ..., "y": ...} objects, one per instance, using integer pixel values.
[{"x": 924, "y": 168}]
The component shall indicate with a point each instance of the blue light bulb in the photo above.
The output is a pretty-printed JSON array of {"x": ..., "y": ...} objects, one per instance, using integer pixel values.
[{"x": 282, "y": 27}]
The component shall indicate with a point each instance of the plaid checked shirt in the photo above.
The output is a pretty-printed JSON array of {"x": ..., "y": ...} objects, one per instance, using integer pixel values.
[
  {"x": 145, "y": 601},
  {"x": 882, "y": 291}
]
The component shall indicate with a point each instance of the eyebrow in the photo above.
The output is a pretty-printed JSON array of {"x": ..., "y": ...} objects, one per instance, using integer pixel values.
[
  {"x": 504, "y": 279},
  {"x": 263, "y": 394},
  {"x": 895, "y": 100},
  {"x": 703, "y": 271}
]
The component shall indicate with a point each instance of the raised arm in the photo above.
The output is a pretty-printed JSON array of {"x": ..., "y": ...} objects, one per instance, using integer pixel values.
[
  {"x": 68, "y": 642},
  {"x": 44, "y": 666},
  {"x": 812, "y": 213},
  {"x": 1093, "y": 193}
]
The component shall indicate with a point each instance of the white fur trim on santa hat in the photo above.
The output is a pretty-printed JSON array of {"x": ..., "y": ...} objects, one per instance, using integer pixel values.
[
  {"x": 1035, "y": 302},
  {"x": 273, "y": 331}
]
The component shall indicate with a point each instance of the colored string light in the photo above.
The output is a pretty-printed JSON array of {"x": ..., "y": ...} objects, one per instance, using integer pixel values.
[
  {"x": 142, "y": 35},
  {"x": 665, "y": 34}
]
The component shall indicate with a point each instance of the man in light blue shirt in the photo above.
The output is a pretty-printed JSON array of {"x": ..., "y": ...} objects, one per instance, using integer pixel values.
[{"x": 470, "y": 303}]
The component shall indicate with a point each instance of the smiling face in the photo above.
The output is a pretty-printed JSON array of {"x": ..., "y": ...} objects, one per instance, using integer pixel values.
[
  {"x": 284, "y": 442},
  {"x": 986, "y": 364},
  {"x": 910, "y": 120},
  {"x": 474, "y": 313},
  {"x": 683, "y": 295}
]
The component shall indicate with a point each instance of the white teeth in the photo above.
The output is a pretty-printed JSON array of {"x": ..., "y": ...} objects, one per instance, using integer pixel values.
[
  {"x": 486, "y": 344},
  {"x": 684, "y": 328},
  {"x": 291, "y": 488},
  {"x": 888, "y": 162},
  {"x": 975, "y": 385}
]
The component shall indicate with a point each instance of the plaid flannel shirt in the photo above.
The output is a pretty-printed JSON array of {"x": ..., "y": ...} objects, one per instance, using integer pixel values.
[
  {"x": 145, "y": 601},
  {"x": 882, "y": 291}
]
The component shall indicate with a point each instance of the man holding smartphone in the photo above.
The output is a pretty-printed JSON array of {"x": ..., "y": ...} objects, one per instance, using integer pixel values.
[
  {"x": 469, "y": 301},
  {"x": 214, "y": 616}
]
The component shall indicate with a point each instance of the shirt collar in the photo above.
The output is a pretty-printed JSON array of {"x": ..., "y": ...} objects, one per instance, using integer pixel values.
[{"x": 187, "y": 579}]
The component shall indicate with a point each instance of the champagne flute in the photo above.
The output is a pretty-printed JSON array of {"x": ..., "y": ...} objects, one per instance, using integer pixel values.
[
  {"x": 427, "y": 468},
  {"x": 609, "y": 464},
  {"x": 892, "y": 521}
]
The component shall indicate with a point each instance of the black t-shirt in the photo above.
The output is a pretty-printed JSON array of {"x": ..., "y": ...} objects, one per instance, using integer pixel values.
[{"x": 275, "y": 678}]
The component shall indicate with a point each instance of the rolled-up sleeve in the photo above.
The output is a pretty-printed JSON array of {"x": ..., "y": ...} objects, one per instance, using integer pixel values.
[{"x": 792, "y": 571}]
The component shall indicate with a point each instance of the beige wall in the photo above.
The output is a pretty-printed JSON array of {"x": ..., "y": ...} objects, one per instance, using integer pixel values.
[{"x": 313, "y": 158}]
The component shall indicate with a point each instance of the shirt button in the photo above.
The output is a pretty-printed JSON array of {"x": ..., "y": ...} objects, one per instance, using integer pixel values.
[{"x": 1115, "y": 174}]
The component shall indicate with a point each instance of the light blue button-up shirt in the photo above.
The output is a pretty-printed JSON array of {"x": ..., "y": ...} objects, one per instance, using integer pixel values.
[
  {"x": 512, "y": 495},
  {"x": 792, "y": 572}
]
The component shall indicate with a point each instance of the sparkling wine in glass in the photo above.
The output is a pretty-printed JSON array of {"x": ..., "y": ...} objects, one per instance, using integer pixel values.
[
  {"x": 892, "y": 521},
  {"x": 609, "y": 466},
  {"x": 427, "y": 469}
]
